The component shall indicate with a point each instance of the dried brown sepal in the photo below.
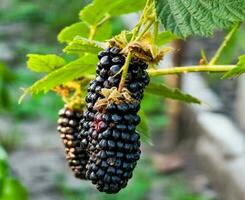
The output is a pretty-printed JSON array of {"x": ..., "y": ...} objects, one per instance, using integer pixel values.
[
  {"x": 144, "y": 49},
  {"x": 112, "y": 95}
]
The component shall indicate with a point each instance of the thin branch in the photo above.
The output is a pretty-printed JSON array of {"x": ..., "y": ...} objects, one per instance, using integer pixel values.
[
  {"x": 189, "y": 69},
  {"x": 222, "y": 47},
  {"x": 125, "y": 71},
  {"x": 146, "y": 28}
]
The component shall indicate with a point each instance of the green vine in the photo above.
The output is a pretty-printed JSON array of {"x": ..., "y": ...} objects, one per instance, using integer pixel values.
[{"x": 190, "y": 69}]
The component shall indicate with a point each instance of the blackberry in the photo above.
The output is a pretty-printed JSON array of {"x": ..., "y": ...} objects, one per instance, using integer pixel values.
[
  {"x": 68, "y": 125},
  {"x": 119, "y": 120},
  {"x": 114, "y": 154}
]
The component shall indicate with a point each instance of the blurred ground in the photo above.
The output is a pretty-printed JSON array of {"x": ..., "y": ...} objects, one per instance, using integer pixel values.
[{"x": 40, "y": 164}]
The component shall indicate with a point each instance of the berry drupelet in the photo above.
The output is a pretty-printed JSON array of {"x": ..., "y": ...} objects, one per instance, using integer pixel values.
[{"x": 76, "y": 156}]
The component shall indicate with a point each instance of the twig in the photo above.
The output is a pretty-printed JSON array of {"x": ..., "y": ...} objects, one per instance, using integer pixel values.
[{"x": 189, "y": 69}]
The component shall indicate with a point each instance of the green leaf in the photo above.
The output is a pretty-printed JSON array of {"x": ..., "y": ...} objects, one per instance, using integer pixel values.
[
  {"x": 95, "y": 12},
  {"x": 126, "y": 6},
  {"x": 81, "y": 45},
  {"x": 44, "y": 63},
  {"x": 13, "y": 190},
  {"x": 237, "y": 71},
  {"x": 165, "y": 37},
  {"x": 77, "y": 29},
  {"x": 198, "y": 17},
  {"x": 172, "y": 93},
  {"x": 103, "y": 32},
  {"x": 82, "y": 67},
  {"x": 143, "y": 128}
]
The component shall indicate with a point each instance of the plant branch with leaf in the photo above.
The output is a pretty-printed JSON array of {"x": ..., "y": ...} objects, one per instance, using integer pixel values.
[{"x": 160, "y": 23}]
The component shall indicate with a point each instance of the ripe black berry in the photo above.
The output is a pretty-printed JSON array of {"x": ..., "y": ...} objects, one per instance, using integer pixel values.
[{"x": 112, "y": 142}]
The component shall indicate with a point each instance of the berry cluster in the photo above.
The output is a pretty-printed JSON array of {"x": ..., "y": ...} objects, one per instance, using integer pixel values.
[
  {"x": 68, "y": 124},
  {"x": 109, "y": 136}
]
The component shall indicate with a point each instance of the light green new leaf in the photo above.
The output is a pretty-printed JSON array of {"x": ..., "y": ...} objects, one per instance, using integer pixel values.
[
  {"x": 126, "y": 6},
  {"x": 198, "y": 17},
  {"x": 237, "y": 71},
  {"x": 82, "y": 29},
  {"x": 77, "y": 29},
  {"x": 80, "y": 45},
  {"x": 103, "y": 32},
  {"x": 172, "y": 93},
  {"x": 165, "y": 37},
  {"x": 82, "y": 67},
  {"x": 44, "y": 63},
  {"x": 143, "y": 128},
  {"x": 95, "y": 12}
]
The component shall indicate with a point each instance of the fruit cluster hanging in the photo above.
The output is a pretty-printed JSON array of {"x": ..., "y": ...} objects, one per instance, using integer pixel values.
[{"x": 108, "y": 146}]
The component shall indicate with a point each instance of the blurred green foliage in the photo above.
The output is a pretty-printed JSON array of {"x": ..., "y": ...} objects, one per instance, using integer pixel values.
[
  {"x": 48, "y": 12},
  {"x": 7, "y": 77},
  {"x": 10, "y": 187},
  {"x": 36, "y": 106},
  {"x": 177, "y": 189}
]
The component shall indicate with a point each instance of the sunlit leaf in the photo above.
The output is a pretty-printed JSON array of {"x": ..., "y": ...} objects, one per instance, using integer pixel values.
[
  {"x": 127, "y": 6},
  {"x": 82, "y": 67},
  {"x": 44, "y": 63},
  {"x": 103, "y": 32},
  {"x": 95, "y": 12},
  {"x": 77, "y": 29}
]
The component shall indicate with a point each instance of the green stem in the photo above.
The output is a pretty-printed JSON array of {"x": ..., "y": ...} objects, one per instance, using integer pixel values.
[
  {"x": 125, "y": 71},
  {"x": 147, "y": 27},
  {"x": 156, "y": 27},
  {"x": 189, "y": 69},
  {"x": 142, "y": 20},
  {"x": 92, "y": 32},
  {"x": 219, "y": 52}
]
